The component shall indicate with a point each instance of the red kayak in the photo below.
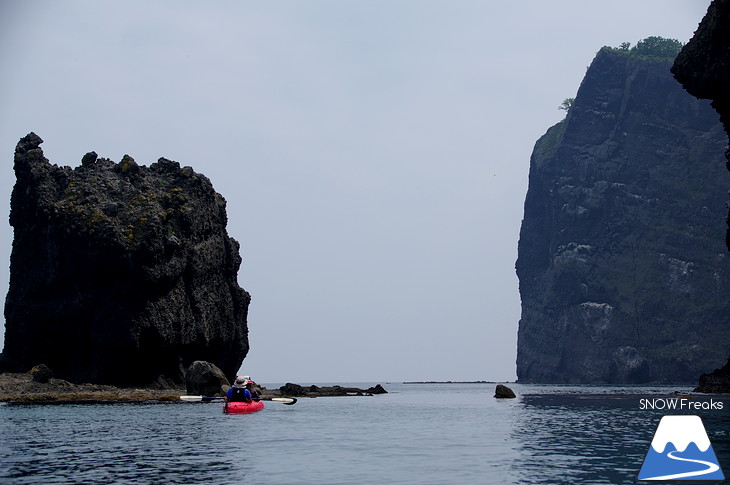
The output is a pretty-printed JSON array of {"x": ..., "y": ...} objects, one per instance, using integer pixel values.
[{"x": 243, "y": 407}]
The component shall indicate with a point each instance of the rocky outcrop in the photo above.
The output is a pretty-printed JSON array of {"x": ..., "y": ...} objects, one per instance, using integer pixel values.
[
  {"x": 26, "y": 388},
  {"x": 295, "y": 390},
  {"x": 120, "y": 273},
  {"x": 504, "y": 392},
  {"x": 703, "y": 68},
  {"x": 205, "y": 379},
  {"x": 41, "y": 373},
  {"x": 717, "y": 381},
  {"x": 622, "y": 267}
]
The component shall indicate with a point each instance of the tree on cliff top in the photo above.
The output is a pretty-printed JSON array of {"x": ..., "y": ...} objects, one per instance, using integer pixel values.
[
  {"x": 657, "y": 47},
  {"x": 567, "y": 104},
  {"x": 652, "y": 47}
]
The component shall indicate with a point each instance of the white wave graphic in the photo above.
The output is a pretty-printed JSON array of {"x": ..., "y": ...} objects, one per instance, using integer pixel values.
[
  {"x": 711, "y": 468},
  {"x": 681, "y": 431}
]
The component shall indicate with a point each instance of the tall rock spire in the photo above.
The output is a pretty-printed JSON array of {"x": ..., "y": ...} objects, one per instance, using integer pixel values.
[{"x": 120, "y": 273}]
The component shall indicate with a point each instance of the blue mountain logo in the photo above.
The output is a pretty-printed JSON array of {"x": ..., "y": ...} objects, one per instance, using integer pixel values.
[{"x": 680, "y": 450}]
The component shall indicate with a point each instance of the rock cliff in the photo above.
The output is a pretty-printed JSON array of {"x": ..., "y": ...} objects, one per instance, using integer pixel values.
[
  {"x": 703, "y": 65},
  {"x": 120, "y": 273},
  {"x": 703, "y": 68},
  {"x": 622, "y": 267}
]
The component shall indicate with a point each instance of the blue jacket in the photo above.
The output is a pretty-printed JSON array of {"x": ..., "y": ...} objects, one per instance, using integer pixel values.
[{"x": 238, "y": 394}]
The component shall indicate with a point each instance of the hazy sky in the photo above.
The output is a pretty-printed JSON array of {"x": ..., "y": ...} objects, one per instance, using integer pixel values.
[{"x": 374, "y": 154}]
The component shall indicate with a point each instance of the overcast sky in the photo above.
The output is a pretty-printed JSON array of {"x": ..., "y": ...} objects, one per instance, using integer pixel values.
[{"x": 374, "y": 154}]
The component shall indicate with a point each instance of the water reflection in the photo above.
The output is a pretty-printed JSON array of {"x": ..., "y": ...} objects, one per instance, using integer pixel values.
[
  {"x": 599, "y": 438},
  {"x": 430, "y": 434},
  {"x": 91, "y": 444}
]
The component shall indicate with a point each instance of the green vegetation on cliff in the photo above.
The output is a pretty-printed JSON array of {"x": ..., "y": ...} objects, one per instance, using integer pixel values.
[{"x": 651, "y": 48}]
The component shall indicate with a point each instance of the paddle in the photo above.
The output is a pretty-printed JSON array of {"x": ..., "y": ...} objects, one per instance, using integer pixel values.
[
  {"x": 201, "y": 398},
  {"x": 284, "y": 400}
]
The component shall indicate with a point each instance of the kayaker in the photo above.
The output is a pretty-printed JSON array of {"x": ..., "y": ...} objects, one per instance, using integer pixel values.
[
  {"x": 252, "y": 389},
  {"x": 239, "y": 392},
  {"x": 254, "y": 393}
]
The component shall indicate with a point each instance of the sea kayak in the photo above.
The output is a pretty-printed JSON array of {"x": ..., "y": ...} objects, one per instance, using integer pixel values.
[{"x": 243, "y": 407}]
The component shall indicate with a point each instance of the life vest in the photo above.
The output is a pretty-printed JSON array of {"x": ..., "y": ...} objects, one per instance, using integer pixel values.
[{"x": 238, "y": 394}]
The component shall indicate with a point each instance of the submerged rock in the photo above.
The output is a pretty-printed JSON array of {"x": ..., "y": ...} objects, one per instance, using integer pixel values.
[{"x": 120, "y": 273}]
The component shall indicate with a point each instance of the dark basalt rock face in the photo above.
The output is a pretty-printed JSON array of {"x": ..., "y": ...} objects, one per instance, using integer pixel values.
[
  {"x": 703, "y": 65},
  {"x": 623, "y": 272},
  {"x": 703, "y": 68},
  {"x": 120, "y": 273},
  {"x": 717, "y": 381}
]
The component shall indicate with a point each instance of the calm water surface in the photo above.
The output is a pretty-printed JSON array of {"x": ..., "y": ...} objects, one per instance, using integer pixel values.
[{"x": 416, "y": 434}]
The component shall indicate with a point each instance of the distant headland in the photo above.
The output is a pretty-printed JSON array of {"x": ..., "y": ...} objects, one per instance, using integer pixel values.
[{"x": 451, "y": 382}]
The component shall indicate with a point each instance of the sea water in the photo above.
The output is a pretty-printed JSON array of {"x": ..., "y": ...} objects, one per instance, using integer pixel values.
[{"x": 415, "y": 434}]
